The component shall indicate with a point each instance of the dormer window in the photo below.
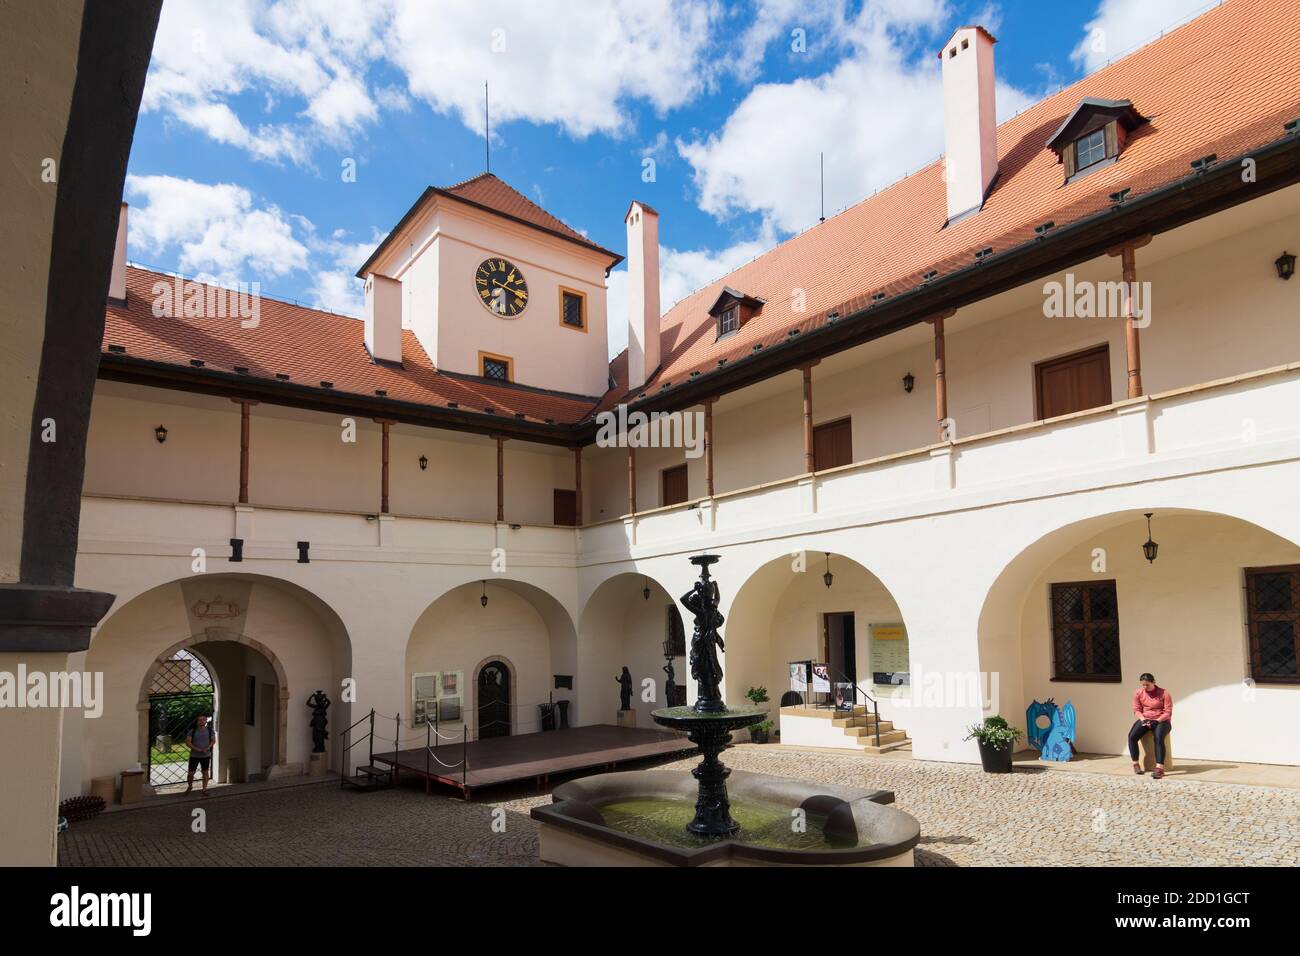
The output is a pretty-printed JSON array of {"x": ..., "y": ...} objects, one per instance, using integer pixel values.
[
  {"x": 729, "y": 320},
  {"x": 732, "y": 309},
  {"x": 1094, "y": 135},
  {"x": 1089, "y": 149}
]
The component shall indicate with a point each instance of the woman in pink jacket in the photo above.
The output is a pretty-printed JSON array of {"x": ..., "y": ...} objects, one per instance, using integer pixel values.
[{"x": 1154, "y": 709}]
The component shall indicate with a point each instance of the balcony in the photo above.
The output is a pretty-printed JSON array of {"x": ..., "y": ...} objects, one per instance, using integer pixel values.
[{"x": 1234, "y": 422}]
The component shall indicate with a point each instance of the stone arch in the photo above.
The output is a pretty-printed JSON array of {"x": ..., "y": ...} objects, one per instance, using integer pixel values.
[
  {"x": 779, "y": 614},
  {"x": 218, "y": 633},
  {"x": 287, "y": 634},
  {"x": 472, "y": 682},
  {"x": 1182, "y": 617},
  {"x": 523, "y": 625},
  {"x": 619, "y": 627}
]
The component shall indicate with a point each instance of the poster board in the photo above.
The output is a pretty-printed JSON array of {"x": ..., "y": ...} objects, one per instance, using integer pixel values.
[
  {"x": 890, "y": 655},
  {"x": 436, "y": 693}
]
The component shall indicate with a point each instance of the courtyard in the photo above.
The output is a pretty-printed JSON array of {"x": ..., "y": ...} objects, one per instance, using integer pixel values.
[{"x": 1033, "y": 817}]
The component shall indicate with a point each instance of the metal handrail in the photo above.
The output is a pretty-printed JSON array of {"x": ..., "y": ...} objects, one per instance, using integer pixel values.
[{"x": 868, "y": 700}]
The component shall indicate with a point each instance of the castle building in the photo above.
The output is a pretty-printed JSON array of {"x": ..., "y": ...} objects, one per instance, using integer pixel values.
[{"x": 924, "y": 436}]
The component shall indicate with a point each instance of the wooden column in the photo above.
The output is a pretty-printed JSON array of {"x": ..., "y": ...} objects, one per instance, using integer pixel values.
[
  {"x": 808, "y": 460},
  {"x": 631, "y": 480},
  {"x": 1132, "y": 346},
  {"x": 940, "y": 373},
  {"x": 501, "y": 479},
  {"x": 244, "y": 406},
  {"x": 708, "y": 448},
  {"x": 577, "y": 485},
  {"x": 385, "y": 424}
]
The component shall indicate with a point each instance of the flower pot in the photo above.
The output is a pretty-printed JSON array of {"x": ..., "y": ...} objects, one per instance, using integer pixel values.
[
  {"x": 994, "y": 760},
  {"x": 758, "y": 736}
]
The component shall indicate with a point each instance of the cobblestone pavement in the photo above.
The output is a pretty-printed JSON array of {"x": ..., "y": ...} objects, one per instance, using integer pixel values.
[{"x": 967, "y": 818}]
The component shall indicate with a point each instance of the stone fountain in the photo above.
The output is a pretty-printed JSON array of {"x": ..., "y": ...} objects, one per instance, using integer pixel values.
[{"x": 640, "y": 818}]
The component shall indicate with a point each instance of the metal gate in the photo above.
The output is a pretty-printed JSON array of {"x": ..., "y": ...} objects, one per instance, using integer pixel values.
[{"x": 181, "y": 691}]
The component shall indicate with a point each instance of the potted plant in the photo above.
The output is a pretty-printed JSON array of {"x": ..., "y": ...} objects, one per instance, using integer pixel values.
[
  {"x": 996, "y": 740},
  {"x": 758, "y": 733}
]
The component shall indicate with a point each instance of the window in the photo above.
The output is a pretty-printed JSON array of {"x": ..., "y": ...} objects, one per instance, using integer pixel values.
[
  {"x": 1085, "y": 631},
  {"x": 573, "y": 309},
  {"x": 1073, "y": 382},
  {"x": 833, "y": 444},
  {"x": 1090, "y": 149},
  {"x": 1273, "y": 616},
  {"x": 499, "y": 367},
  {"x": 729, "y": 320},
  {"x": 565, "y": 507},
  {"x": 674, "y": 486}
]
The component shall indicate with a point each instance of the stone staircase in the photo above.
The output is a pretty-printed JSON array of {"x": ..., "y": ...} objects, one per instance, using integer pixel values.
[{"x": 855, "y": 730}]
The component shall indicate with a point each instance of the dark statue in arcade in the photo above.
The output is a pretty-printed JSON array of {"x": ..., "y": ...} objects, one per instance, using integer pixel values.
[
  {"x": 319, "y": 704},
  {"x": 670, "y": 685},
  {"x": 709, "y": 722},
  {"x": 625, "y": 689}
]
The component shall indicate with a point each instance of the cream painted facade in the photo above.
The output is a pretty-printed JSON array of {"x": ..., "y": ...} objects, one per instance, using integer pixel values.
[
  {"x": 435, "y": 258},
  {"x": 958, "y": 540}
]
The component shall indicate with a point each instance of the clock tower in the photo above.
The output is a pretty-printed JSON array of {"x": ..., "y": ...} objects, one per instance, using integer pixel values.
[{"x": 492, "y": 286}]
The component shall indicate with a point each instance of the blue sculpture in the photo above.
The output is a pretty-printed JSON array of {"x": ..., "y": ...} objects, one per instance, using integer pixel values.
[{"x": 1056, "y": 740}]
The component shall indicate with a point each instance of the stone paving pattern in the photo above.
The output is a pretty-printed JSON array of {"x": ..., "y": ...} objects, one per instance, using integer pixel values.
[{"x": 967, "y": 818}]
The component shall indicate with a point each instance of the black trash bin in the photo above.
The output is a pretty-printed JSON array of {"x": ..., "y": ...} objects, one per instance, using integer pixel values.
[
  {"x": 563, "y": 706},
  {"x": 548, "y": 716}
]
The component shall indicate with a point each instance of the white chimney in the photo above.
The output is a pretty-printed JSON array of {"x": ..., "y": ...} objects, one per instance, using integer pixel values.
[
  {"x": 117, "y": 278},
  {"x": 643, "y": 293},
  {"x": 384, "y": 318},
  {"x": 970, "y": 126}
]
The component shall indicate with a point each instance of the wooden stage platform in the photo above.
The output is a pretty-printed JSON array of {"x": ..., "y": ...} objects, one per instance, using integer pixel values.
[{"x": 536, "y": 756}]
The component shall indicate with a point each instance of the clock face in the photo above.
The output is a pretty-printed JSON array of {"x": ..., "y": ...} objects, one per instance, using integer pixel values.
[{"x": 501, "y": 287}]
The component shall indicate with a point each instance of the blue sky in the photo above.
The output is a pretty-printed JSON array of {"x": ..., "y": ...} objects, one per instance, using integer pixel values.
[{"x": 256, "y": 113}]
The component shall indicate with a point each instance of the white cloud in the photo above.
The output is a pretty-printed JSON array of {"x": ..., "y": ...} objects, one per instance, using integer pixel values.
[
  {"x": 877, "y": 115},
  {"x": 575, "y": 63},
  {"x": 680, "y": 274},
  {"x": 216, "y": 231},
  {"x": 1119, "y": 26},
  {"x": 219, "y": 233}
]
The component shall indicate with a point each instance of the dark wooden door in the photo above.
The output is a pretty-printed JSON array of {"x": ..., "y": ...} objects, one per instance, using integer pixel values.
[
  {"x": 494, "y": 700},
  {"x": 1073, "y": 382},
  {"x": 833, "y": 444},
  {"x": 566, "y": 506},
  {"x": 674, "y": 485}
]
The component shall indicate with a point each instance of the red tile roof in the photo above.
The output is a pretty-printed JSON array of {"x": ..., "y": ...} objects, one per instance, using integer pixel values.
[
  {"x": 488, "y": 192},
  {"x": 311, "y": 346},
  {"x": 1224, "y": 83}
]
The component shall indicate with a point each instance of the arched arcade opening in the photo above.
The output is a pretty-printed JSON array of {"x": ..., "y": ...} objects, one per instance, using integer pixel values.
[
  {"x": 1081, "y": 612},
  {"x": 485, "y": 656}
]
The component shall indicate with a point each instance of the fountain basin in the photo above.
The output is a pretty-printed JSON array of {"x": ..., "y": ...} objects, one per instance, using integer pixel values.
[{"x": 635, "y": 818}]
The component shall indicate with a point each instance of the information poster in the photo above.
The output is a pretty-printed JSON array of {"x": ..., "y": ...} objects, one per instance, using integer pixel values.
[
  {"x": 821, "y": 679},
  {"x": 799, "y": 677},
  {"x": 889, "y": 654}
]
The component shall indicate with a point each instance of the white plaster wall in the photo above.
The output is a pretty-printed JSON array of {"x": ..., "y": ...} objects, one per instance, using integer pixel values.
[{"x": 457, "y": 633}]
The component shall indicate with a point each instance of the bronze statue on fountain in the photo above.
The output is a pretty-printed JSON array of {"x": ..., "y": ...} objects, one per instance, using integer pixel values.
[{"x": 709, "y": 722}]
